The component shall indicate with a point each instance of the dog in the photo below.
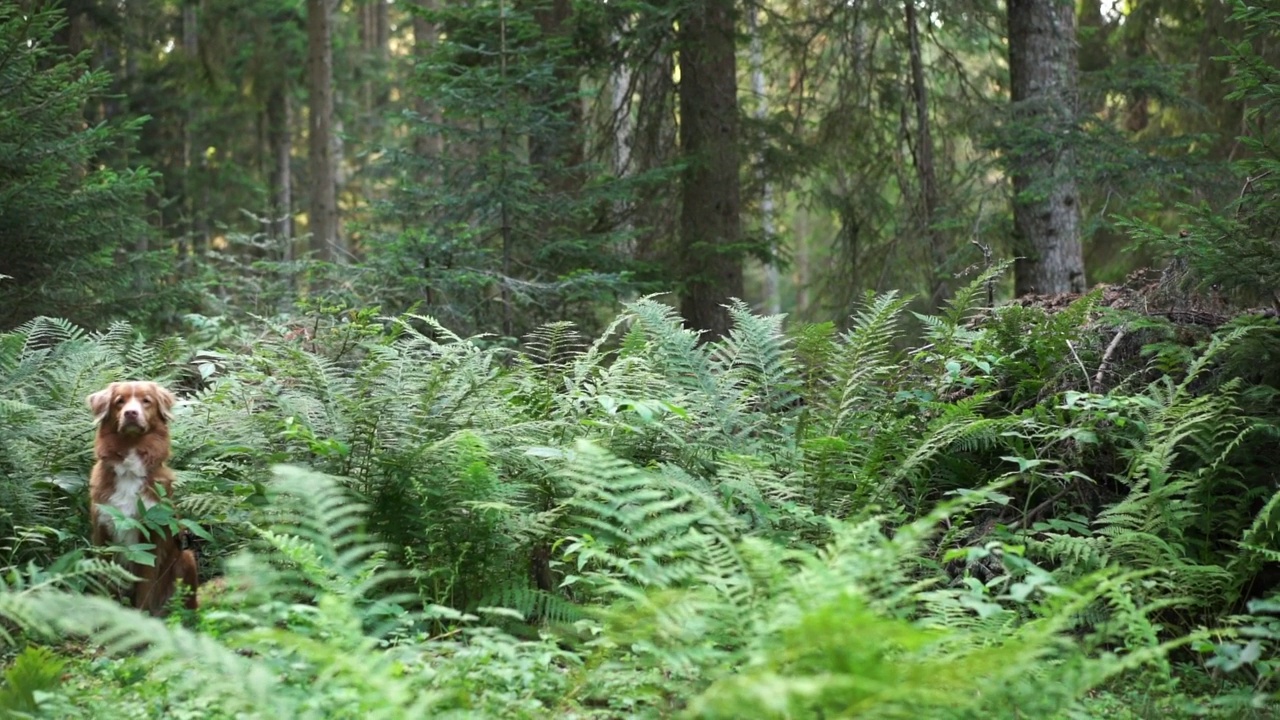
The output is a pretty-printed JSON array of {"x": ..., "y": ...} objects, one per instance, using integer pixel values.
[{"x": 131, "y": 451}]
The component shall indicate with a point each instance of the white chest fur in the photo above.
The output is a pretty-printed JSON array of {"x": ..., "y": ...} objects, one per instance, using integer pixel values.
[{"x": 131, "y": 477}]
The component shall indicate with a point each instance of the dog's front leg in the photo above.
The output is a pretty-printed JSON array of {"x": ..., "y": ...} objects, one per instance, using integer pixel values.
[
  {"x": 189, "y": 573},
  {"x": 149, "y": 592}
]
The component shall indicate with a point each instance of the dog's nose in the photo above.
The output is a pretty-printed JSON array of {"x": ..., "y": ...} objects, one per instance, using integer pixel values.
[{"x": 131, "y": 414}]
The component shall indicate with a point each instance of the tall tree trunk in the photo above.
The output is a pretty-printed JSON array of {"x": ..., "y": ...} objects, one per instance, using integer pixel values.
[
  {"x": 653, "y": 146},
  {"x": 323, "y": 220},
  {"x": 1046, "y": 208},
  {"x": 1095, "y": 56},
  {"x": 192, "y": 156},
  {"x": 71, "y": 35},
  {"x": 279, "y": 140},
  {"x": 772, "y": 296},
  {"x": 1142, "y": 15},
  {"x": 374, "y": 36},
  {"x": 557, "y": 152},
  {"x": 1226, "y": 115},
  {"x": 508, "y": 240},
  {"x": 623, "y": 125},
  {"x": 425, "y": 36},
  {"x": 710, "y": 225},
  {"x": 803, "y": 274},
  {"x": 925, "y": 169}
]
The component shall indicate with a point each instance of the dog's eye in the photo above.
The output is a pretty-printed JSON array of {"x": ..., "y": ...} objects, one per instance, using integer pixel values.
[
  {"x": 146, "y": 401},
  {"x": 120, "y": 401}
]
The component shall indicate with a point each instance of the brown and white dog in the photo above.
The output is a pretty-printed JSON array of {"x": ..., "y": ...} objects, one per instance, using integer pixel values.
[{"x": 131, "y": 449}]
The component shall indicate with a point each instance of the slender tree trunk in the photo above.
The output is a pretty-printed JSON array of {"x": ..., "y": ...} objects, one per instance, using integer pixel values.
[
  {"x": 803, "y": 272},
  {"x": 1046, "y": 208},
  {"x": 1226, "y": 115},
  {"x": 710, "y": 225},
  {"x": 622, "y": 131},
  {"x": 653, "y": 146},
  {"x": 71, "y": 35},
  {"x": 374, "y": 37},
  {"x": 323, "y": 220},
  {"x": 279, "y": 142},
  {"x": 192, "y": 157},
  {"x": 772, "y": 296},
  {"x": 624, "y": 127},
  {"x": 508, "y": 241},
  {"x": 925, "y": 169},
  {"x": 1141, "y": 15},
  {"x": 558, "y": 152},
  {"x": 425, "y": 36},
  {"x": 1094, "y": 53}
]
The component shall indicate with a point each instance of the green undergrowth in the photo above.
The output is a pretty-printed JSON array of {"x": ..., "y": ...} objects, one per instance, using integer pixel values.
[{"x": 1009, "y": 518}]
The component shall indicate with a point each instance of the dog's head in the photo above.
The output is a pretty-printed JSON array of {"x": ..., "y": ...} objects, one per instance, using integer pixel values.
[{"x": 132, "y": 408}]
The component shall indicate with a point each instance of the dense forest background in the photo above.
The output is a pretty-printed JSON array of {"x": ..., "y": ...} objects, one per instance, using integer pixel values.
[
  {"x": 497, "y": 165},
  {"x": 715, "y": 358}
]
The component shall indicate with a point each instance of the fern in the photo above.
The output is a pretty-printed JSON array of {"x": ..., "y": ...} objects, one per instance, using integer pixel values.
[
  {"x": 749, "y": 525},
  {"x": 35, "y": 670},
  {"x": 753, "y": 360},
  {"x": 864, "y": 361}
]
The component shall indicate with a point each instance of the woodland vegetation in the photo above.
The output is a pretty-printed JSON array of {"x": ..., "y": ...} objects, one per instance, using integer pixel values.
[{"x": 666, "y": 358}]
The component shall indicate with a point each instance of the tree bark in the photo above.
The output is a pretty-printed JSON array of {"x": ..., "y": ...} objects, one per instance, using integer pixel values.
[
  {"x": 803, "y": 274},
  {"x": 1046, "y": 209},
  {"x": 192, "y": 150},
  {"x": 925, "y": 168},
  {"x": 710, "y": 225},
  {"x": 1095, "y": 56},
  {"x": 654, "y": 144},
  {"x": 279, "y": 140},
  {"x": 374, "y": 38},
  {"x": 772, "y": 295},
  {"x": 623, "y": 126},
  {"x": 323, "y": 220},
  {"x": 557, "y": 152},
  {"x": 425, "y": 36},
  {"x": 1212, "y": 75}
]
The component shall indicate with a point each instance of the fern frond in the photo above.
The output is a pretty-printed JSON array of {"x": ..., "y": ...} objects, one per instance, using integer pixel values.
[
  {"x": 674, "y": 349},
  {"x": 318, "y": 532},
  {"x": 755, "y": 359},
  {"x": 863, "y": 359}
]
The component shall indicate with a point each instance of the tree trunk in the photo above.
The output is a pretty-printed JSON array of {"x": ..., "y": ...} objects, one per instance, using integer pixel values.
[
  {"x": 556, "y": 153},
  {"x": 803, "y": 274},
  {"x": 279, "y": 140},
  {"x": 925, "y": 169},
  {"x": 192, "y": 155},
  {"x": 425, "y": 144},
  {"x": 1046, "y": 210},
  {"x": 772, "y": 296},
  {"x": 1095, "y": 56},
  {"x": 653, "y": 145},
  {"x": 1226, "y": 115},
  {"x": 710, "y": 226},
  {"x": 374, "y": 37},
  {"x": 324, "y": 181},
  {"x": 624, "y": 127},
  {"x": 71, "y": 34}
]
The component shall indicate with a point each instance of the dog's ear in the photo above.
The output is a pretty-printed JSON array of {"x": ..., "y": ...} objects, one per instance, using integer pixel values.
[
  {"x": 100, "y": 403},
  {"x": 165, "y": 400}
]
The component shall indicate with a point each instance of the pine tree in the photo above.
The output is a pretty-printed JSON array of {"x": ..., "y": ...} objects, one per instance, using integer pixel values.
[{"x": 64, "y": 208}]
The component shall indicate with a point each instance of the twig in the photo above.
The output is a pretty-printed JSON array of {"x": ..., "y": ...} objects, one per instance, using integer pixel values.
[
  {"x": 1106, "y": 358},
  {"x": 1248, "y": 183},
  {"x": 986, "y": 265},
  {"x": 1033, "y": 512},
  {"x": 1087, "y": 382}
]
